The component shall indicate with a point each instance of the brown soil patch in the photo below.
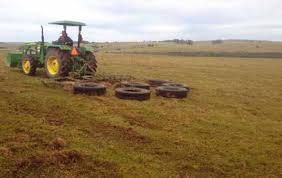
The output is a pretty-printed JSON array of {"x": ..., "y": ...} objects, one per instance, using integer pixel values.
[
  {"x": 67, "y": 163},
  {"x": 118, "y": 132},
  {"x": 68, "y": 86},
  {"x": 55, "y": 121},
  {"x": 66, "y": 157},
  {"x": 5, "y": 151},
  {"x": 139, "y": 121},
  {"x": 58, "y": 144}
]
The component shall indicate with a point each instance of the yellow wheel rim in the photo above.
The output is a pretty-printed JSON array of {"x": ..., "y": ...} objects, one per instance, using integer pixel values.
[
  {"x": 53, "y": 65},
  {"x": 26, "y": 66}
]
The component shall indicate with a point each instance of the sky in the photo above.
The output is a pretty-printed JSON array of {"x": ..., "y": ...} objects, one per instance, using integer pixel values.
[{"x": 139, "y": 20}]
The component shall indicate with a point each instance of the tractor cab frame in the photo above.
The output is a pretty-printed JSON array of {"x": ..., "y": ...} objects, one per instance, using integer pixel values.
[{"x": 65, "y": 24}]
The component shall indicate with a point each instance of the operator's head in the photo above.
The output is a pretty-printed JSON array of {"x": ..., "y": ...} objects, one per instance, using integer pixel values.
[{"x": 64, "y": 33}]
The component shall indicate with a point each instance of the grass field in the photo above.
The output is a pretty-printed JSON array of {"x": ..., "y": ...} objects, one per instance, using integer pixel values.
[
  {"x": 229, "y": 48},
  {"x": 229, "y": 126}
]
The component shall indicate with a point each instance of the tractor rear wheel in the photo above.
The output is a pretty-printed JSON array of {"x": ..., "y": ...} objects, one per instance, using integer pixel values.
[
  {"x": 91, "y": 61},
  {"x": 29, "y": 65},
  {"x": 57, "y": 63}
]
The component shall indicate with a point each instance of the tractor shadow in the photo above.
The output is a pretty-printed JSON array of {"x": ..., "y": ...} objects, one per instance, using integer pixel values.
[{"x": 40, "y": 73}]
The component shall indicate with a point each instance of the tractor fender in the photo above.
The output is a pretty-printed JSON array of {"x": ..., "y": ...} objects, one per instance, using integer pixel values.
[{"x": 88, "y": 49}]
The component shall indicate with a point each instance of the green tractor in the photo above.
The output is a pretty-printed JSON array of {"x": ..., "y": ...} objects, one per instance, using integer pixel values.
[{"x": 58, "y": 59}]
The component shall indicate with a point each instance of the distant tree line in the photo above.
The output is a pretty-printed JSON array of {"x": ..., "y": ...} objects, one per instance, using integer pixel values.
[
  {"x": 217, "y": 42},
  {"x": 191, "y": 42},
  {"x": 180, "y": 41}
]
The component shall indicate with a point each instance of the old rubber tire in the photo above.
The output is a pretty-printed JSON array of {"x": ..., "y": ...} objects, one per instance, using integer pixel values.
[
  {"x": 156, "y": 82},
  {"x": 91, "y": 61},
  {"x": 89, "y": 89},
  {"x": 171, "y": 92},
  {"x": 176, "y": 85},
  {"x": 131, "y": 93},
  {"x": 135, "y": 85},
  {"x": 57, "y": 63},
  {"x": 29, "y": 65}
]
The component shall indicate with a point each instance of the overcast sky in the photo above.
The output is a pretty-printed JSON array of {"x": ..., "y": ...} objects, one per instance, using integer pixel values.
[{"x": 138, "y": 20}]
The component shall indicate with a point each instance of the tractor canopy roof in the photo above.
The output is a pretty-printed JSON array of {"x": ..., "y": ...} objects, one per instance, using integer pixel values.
[{"x": 68, "y": 23}]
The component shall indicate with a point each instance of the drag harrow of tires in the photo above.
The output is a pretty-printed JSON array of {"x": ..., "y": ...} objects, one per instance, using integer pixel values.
[
  {"x": 135, "y": 85},
  {"x": 171, "y": 92},
  {"x": 94, "y": 89},
  {"x": 133, "y": 93},
  {"x": 176, "y": 85},
  {"x": 157, "y": 83}
]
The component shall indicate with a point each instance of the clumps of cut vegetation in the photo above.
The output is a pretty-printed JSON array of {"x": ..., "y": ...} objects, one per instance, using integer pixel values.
[
  {"x": 138, "y": 121},
  {"x": 5, "y": 152},
  {"x": 71, "y": 163},
  {"x": 54, "y": 121},
  {"x": 113, "y": 79},
  {"x": 125, "y": 135},
  {"x": 58, "y": 143}
]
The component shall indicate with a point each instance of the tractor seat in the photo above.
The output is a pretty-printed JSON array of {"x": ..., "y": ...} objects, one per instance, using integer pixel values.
[{"x": 58, "y": 43}]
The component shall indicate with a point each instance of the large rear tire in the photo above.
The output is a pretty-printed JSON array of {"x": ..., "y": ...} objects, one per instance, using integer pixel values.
[
  {"x": 57, "y": 63},
  {"x": 29, "y": 65}
]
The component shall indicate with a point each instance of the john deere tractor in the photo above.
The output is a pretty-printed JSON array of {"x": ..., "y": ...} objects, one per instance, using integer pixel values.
[{"x": 58, "y": 59}]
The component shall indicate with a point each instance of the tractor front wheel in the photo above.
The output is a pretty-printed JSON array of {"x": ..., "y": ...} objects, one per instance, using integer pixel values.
[
  {"x": 29, "y": 65},
  {"x": 57, "y": 63}
]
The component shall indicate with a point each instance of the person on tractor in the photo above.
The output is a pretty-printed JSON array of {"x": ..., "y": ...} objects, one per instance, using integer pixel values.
[{"x": 65, "y": 39}]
